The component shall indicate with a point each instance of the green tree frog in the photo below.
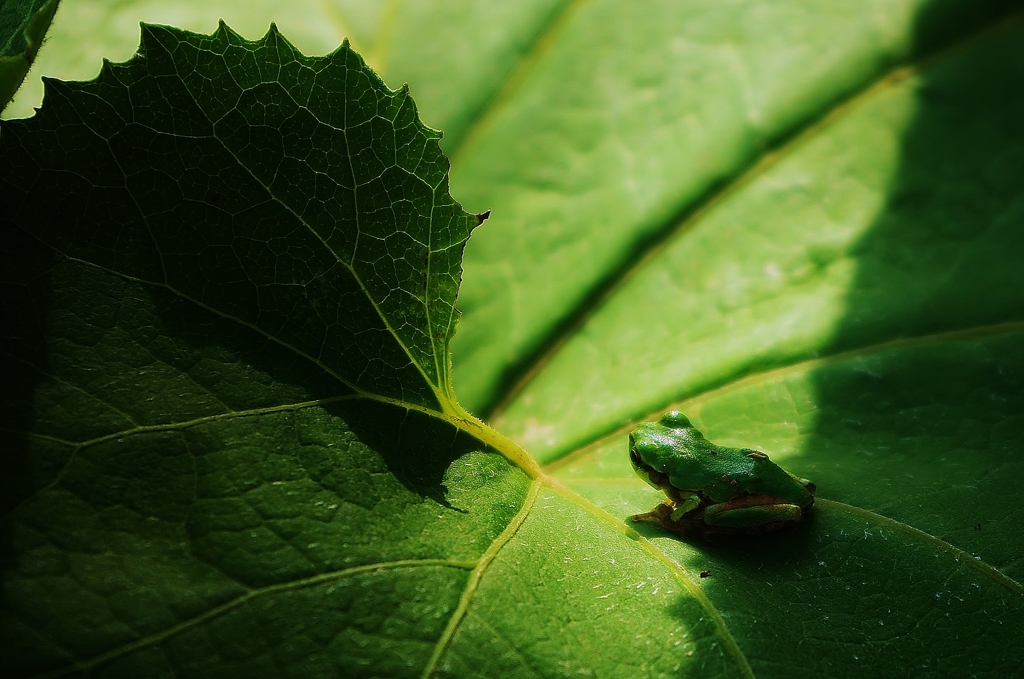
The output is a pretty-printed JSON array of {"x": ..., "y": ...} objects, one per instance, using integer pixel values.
[{"x": 713, "y": 490}]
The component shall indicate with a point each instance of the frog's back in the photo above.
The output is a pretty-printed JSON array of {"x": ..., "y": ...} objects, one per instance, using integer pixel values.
[
  {"x": 724, "y": 473},
  {"x": 768, "y": 478}
]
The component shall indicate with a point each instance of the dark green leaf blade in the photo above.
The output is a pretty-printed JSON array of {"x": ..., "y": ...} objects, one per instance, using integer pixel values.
[
  {"x": 22, "y": 26},
  {"x": 379, "y": 232},
  {"x": 159, "y": 549},
  {"x": 226, "y": 445}
]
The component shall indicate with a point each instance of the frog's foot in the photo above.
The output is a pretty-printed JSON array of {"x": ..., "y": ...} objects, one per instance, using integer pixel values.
[
  {"x": 657, "y": 515},
  {"x": 669, "y": 512}
]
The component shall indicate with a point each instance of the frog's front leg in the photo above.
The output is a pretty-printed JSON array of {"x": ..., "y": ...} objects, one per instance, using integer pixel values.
[
  {"x": 670, "y": 511},
  {"x": 752, "y": 511}
]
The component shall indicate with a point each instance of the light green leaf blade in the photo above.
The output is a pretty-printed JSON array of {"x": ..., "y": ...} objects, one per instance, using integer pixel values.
[
  {"x": 22, "y": 26},
  {"x": 898, "y": 217},
  {"x": 853, "y": 308},
  {"x": 631, "y": 120}
]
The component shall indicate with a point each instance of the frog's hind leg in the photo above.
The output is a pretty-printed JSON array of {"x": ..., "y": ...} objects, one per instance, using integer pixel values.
[
  {"x": 656, "y": 515},
  {"x": 806, "y": 483},
  {"x": 779, "y": 514}
]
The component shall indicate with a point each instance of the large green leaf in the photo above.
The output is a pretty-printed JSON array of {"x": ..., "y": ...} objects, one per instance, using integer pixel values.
[{"x": 799, "y": 222}]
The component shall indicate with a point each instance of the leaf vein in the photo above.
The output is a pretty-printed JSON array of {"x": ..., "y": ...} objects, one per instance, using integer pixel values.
[
  {"x": 244, "y": 599},
  {"x": 308, "y": 227},
  {"x": 605, "y": 290},
  {"x": 474, "y": 579},
  {"x": 959, "y": 555},
  {"x": 489, "y": 108}
]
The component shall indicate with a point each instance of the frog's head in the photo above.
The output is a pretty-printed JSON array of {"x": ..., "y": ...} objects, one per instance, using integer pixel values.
[
  {"x": 654, "y": 446},
  {"x": 642, "y": 449}
]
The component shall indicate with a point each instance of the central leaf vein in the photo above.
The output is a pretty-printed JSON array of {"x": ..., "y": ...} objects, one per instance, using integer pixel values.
[
  {"x": 677, "y": 571},
  {"x": 474, "y": 579}
]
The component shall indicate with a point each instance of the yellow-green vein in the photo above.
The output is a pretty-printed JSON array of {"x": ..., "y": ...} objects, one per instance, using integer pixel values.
[
  {"x": 689, "y": 402},
  {"x": 489, "y": 109},
  {"x": 959, "y": 555},
  {"x": 474, "y": 579},
  {"x": 246, "y": 598},
  {"x": 677, "y": 571}
]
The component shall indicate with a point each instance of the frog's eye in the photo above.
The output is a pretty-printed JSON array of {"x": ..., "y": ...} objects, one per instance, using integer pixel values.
[
  {"x": 675, "y": 420},
  {"x": 634, "y": 457}
]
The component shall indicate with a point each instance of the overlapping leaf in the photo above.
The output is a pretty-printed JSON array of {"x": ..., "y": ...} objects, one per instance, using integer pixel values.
[{"x": 342, "y": 192}]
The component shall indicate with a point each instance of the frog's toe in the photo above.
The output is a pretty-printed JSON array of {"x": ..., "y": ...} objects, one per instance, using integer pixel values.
[{"x": 656, "y": 515}]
